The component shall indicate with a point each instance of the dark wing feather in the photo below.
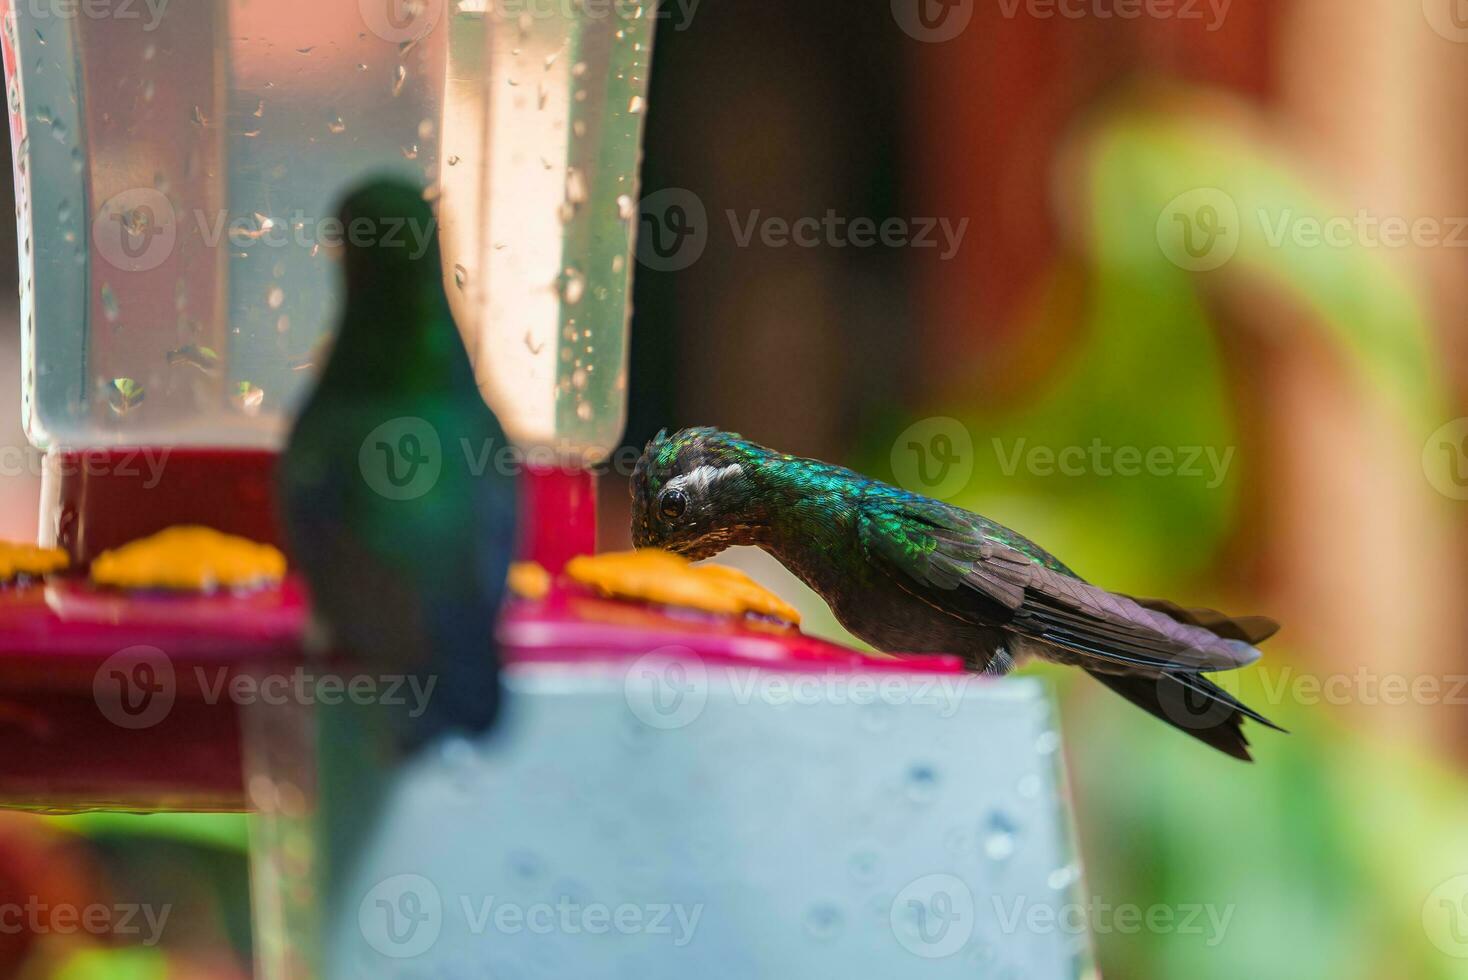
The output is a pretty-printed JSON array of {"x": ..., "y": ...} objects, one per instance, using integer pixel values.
[
  {"x": 1250, "y": 629},
  {"x": 978, "y": 570}
]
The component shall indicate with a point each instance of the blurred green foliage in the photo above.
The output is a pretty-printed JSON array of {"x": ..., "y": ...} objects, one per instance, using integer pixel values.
[{"x": 1308, "y": 852}]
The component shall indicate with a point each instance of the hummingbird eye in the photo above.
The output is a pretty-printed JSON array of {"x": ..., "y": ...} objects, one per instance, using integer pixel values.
[{"x": 672, "y": 503}]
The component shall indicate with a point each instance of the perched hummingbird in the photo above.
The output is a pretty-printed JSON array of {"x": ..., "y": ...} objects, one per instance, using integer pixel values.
[
  {"x": 907, "y": 573},
  {"x": 404, "y": 544}
]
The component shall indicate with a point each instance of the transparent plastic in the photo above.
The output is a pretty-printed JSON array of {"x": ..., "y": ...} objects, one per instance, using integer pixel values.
[{"x": 177, "y": 175}]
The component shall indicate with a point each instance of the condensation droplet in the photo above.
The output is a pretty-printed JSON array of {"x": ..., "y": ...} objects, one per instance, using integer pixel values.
[
  {"x": 461, "y": 276},
  {"x": 274, "y": 297},
  {"x": 576, "y": 191},
  {"x": 247, "y": 397},
  {"x": 110, "y": 306},
  {"x": 399, "y": 79},
  {"x": 583, "y": 411},
  {"x": 410, "y": 152},
  {"x": 1063, "y": 877},
  {"x": 921, "y": 784},
  {"x": 525, "y": 864},
  {"x": 334, "y": 124},
  {"x": 824, "y": 922},
  {"x": 195, "y": 356},
  {"x": 573, "y": 287},
  {"x": 865, "y": 867},
  {"x": 124, "y": 395},
  {"x": 636, "y": 105},
  {"x": 626, "y": 207},
  {"x": 998, "y": 837}
]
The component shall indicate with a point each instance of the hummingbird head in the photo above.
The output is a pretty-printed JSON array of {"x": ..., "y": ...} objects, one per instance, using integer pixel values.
[{"x": 694, "y": 493}]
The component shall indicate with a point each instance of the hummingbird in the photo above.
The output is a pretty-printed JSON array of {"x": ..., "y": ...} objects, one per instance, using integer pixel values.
[
  {"x": 906, "y": 573},
  {"x": 404, "y": 544}
]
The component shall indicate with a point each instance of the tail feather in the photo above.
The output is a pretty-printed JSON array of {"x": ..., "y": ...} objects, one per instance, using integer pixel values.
[{"x": 1192, "y": 704}]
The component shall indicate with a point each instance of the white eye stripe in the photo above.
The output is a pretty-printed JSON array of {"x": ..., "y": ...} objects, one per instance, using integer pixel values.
[{"x": 704, "y": 477}]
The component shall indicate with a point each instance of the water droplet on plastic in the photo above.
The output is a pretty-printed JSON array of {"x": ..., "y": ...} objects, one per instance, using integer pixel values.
[
  {"x": 247, "y": 397},
  {"x": 1047, "y": 742},
  {"x": 573, "y": 287},
  {"x": 626, "y": 207},
  {"x": 410, "y": 152},
  {"x": 576, "y": 191},
  {"x": 399, "y": 79},
  {"x": 198, "y": 117},
  {"x": 921, "y": 784},
  {"x": 998, "y": 837},
  {"x": 865, "y": 867},
  {"x": 124, "y": 395},
  {"x": 824, "y": 922},
  {"x": 1063, "y": 877},
  {"x": 636, "y": 105},
  {"x": 461, "y": 276},
  {"x": 334, "y": 124},
  {"x": 361, "y": 66},
  {"x": 274, "y": 297},
  {"x": 425, "y": 129},
  {"x": 583, "y": 411},
  {"x": 109, "y": 303},
  {"x": 525, "y": 864},
  {"x": 202, "y": 358},
  {"x": 453, "y": 161}
]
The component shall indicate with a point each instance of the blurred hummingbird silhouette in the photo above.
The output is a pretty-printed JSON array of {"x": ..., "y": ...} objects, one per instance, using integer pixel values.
[
  {"x": 907, "y": 573},
  {"x": 405, "y": 545}
]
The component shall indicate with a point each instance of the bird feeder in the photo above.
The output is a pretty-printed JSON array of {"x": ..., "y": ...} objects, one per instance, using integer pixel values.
[{"x": 177, "y": 174}]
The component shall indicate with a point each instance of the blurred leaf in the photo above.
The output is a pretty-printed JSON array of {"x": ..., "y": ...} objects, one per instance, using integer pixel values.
[
  {"x": 130, "y": 963},
  {"x": 226, "y": 831}
]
